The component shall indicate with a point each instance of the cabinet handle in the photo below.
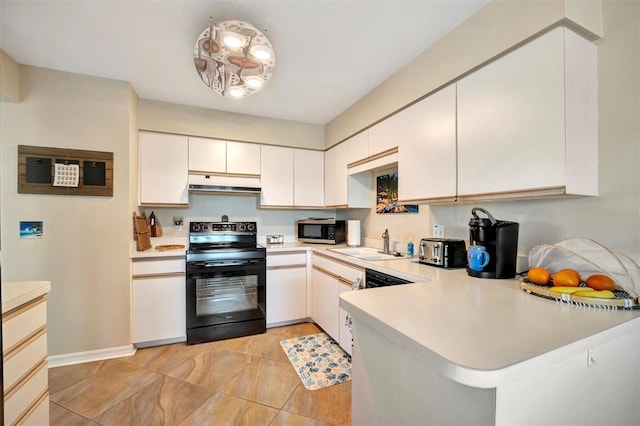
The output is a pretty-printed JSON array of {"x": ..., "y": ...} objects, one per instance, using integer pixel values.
[{"x": 161, "y": 275}]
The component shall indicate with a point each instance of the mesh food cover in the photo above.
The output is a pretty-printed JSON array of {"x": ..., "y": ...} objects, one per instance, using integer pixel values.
[{"x": 588, "y": 257}]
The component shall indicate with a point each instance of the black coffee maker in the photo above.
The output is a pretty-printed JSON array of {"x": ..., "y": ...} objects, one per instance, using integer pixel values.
[{"x": 500, "y": 238}]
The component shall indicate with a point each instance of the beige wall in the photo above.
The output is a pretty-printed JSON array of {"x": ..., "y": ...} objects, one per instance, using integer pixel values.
[
  {"x": 84, "y": 252},
  {"x": 489, "y": 33},
  {"x": 9, "y": 78},
  {"x": 613, "y": 218},
  {"x": 180, "y": 119}
]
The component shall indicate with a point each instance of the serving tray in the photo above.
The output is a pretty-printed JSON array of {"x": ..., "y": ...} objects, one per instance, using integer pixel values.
[{"x": 622, "y": 300}]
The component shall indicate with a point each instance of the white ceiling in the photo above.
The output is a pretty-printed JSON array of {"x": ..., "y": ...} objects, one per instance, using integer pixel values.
[{"x": 329, "y": 53}]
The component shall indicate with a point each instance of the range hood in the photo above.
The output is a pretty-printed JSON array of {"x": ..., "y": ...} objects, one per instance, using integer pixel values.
[{"x": 224, "y": 183}]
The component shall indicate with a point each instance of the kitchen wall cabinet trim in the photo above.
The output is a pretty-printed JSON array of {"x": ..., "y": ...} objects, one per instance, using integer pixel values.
[
  {"x": 530, "y": 193},
  {"x": 373, "y": 157}
]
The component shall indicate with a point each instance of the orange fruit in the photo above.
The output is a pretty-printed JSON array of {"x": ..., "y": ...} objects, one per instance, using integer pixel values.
[
  {"x": 600, "y": 282},
  {"x": 539, "y": 276},
  {"x": 566, "y": 278},
  {"x": 572, "y": 271}
]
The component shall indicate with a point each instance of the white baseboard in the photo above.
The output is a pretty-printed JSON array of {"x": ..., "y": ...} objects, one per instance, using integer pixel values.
[{"x": 89, "y": 356}]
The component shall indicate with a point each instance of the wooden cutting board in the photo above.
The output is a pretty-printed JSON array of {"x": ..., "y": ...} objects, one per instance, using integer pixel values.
[
  {"x": 142, "y": 234},
  {"x": 167, "y": 247}
]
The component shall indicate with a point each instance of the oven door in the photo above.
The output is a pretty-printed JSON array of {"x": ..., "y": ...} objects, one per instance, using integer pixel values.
[{"x": 225, "y": 291}]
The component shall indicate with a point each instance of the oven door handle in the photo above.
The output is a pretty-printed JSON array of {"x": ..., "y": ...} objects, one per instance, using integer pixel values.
[{"x": 222, "y": 263}]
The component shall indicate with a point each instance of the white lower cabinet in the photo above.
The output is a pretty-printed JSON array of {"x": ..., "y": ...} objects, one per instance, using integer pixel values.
[
  {"x": 158, "y": 300},
  {"x": 345, "y": 337},
  {"x": 286, "y": 287},
  {"x": 329, "y": 278},
  {"x": 26, "y": 382}
]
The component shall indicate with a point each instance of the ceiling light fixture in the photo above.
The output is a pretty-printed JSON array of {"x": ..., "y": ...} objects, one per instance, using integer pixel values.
[{"x": 233, "y": 58}]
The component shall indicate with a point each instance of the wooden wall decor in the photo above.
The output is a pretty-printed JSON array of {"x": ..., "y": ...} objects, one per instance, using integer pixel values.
[{"x": 60, "y": 171}]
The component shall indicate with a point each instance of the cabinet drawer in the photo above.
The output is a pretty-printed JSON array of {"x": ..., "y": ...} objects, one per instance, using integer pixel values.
[
  {"x": 340, "y": 269},
  {"x": 40, "y": 414},
  {"x": 19, "y": 402},
  {"x": 18, "y": 363},
  {"x": 22, "y": 321},
  {"x": 284, "y": 259},
  {"x": 158, "y": 266}
]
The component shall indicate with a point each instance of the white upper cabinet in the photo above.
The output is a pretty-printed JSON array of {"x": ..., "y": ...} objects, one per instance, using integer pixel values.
[
  {"x": 277, "y": 176},
  {"x": 243, "y": 158},
  {"x": 291, "y": 177},
  {"x": 207, "y": 155},
  {"x": 358, "y": 147},
  {"x": 329, "y": 177},
  {"x": 527, "y": 122},
  {"x": 384, "y": 136},
  {"x": 308, "y": 183},
  {"x": 427, "y": 150},
  {"x": 163, "y": 169},
  {"x": 373, "y": 148},
  {"x": 335, "y": 173},
  {"x": 218, "y": 156}
]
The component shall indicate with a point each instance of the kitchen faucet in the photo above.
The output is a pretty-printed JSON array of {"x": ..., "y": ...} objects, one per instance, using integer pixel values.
[{"x": 385, "y": 241}]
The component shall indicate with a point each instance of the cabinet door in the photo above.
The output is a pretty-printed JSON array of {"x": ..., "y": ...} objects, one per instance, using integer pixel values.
[
  {"x": 158, "y": 306},
  {"x": 346, "y": 338},
  {"x": 164, "y": 169},
  {"x": 427, "y": 150},
  {"x": 341, "y": 175},
  {"x": 286, "y": 294},
  {"x": 357, "y": 147},
  {"x": 243, "y": 158},
  {"x": 308, "y": 181},
  {"x": 384, "y": 135},
  {"x": 276, "y": 176},
  {"x": 511, "y": 113},
  {"x": 329, "y": 177},
  {"x": 207, "y": 155},
  {"x": 324, "y": 296}
]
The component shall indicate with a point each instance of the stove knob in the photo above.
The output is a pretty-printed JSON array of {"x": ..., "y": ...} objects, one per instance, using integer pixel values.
[
  {"x": 251, "y": 227},
  {"x": 242, "y": 226},
  {"x": 195, "y": 227}
]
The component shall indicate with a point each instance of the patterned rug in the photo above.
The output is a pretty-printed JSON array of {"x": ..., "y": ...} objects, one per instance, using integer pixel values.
[{"x": 318, "y": 360}]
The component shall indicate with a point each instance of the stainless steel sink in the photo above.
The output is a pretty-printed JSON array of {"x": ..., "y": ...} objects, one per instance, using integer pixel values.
[{"x": 365, "y": 253}]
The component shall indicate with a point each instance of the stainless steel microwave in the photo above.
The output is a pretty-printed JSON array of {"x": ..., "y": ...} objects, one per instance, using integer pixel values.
[{"x": 321, "y": 231}]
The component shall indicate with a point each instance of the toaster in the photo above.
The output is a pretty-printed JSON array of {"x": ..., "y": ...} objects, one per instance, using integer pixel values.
[{"x": 443, "y": 252}]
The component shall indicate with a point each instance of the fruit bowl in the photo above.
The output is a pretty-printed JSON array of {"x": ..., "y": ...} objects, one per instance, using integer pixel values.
[{"x": 621, "y": 301}]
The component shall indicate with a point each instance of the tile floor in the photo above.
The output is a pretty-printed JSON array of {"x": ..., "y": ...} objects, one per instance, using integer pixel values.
[{"x": 247, "y": 380}]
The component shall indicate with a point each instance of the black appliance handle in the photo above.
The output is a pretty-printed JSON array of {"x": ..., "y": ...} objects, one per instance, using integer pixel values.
[
  {"x": 222, "y": 263},
  {"x": 475, "y": 209}
]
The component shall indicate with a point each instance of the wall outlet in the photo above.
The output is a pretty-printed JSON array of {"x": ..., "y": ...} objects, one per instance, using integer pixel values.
[{"x": 438, "y": 231}]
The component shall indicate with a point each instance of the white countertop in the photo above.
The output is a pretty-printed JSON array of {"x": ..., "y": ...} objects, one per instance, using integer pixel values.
[
  {"x": 476, "y": 331},
  {"x": 481, "y": 332},
  {"x": 15, "y": 294}
]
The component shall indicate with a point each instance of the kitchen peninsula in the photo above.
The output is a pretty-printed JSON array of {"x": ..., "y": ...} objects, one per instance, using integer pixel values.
[{"x": 461, "y": 350}]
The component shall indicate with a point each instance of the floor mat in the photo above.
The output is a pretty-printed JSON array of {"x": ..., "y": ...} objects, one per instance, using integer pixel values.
[{"x": 318, "y": 360}]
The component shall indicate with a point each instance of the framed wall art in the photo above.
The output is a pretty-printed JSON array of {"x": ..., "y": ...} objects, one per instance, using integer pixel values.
[{"x": 387, "y": 196}]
